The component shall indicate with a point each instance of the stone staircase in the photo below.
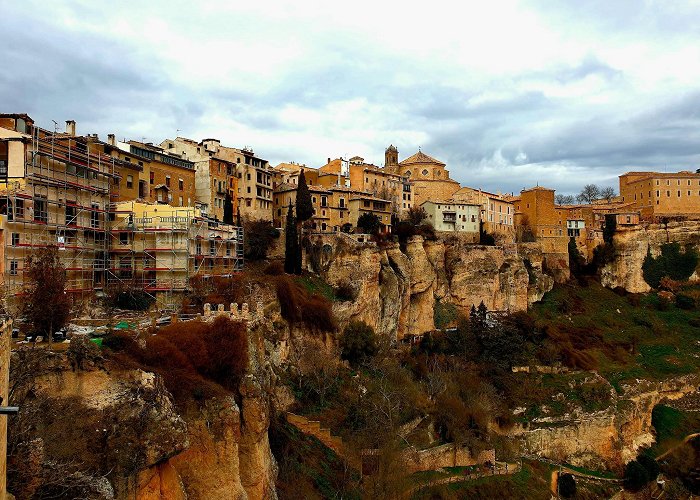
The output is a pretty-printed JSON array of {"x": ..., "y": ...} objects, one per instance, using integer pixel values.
[{"x": 335, "y": 443}]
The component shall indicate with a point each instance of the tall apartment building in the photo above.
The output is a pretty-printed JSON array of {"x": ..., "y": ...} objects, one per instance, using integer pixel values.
[
  {"x": 55, "y": 190},
  {"x": 215, "y": 177},
  {"x": 656, "y": 195},
  {"x": 255, "y": 175}
]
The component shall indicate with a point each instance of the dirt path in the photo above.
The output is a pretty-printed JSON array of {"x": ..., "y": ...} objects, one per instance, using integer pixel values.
[{"x": 685, "y": 441}]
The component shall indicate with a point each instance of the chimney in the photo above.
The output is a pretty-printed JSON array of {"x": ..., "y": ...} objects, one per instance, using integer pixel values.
[
  {"x": 70, "y": 127},
  {"x": 329, "y": 159},
  {"x": 111, "y": 140}
]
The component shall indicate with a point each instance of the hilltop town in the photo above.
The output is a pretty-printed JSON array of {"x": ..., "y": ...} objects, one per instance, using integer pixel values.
[
  {"x": 426, "y": 339},
  {"x": 156, "y": 216}
]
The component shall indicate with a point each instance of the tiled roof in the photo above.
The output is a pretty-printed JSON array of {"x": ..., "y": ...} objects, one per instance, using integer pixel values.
[{"x": 421, "y": 158}]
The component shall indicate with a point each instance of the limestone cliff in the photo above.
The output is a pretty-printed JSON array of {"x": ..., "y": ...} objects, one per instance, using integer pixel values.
[
  {"x": 608, "y": 438},
  {"x": 631, "y": 247},
  {"x": 397, "y": 287}
]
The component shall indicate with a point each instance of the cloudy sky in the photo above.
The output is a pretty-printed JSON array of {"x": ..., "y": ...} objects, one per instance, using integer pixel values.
[{"x": 507, "y": 93}]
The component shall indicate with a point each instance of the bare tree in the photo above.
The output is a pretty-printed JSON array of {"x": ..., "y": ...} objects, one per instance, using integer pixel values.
[
  {"x": 608, "y": 193},
  {"x": 564, "y": 199},
  {"x": 588, "y": 194}
]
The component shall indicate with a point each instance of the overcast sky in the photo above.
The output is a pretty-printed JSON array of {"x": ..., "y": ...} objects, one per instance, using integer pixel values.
[{"x": 507, "y": 93}]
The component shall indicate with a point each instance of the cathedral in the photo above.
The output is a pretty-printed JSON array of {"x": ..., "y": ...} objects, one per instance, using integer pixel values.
[{"x": 431, "y": 180}]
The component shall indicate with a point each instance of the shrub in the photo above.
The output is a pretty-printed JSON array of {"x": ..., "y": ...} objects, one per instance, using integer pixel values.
[
  {"x": 274, "y": 269},
  {"x": 369, "y": 223},
  {"x": 358, "y": 343},
  {"x": 672, "y": 263},
  {"x": 131, "y": 299},
  {"x": 566, "y": 485},
  {"x": 636, "y": 476},
  {"x": 444, "y": 314},
  {"x": 685, "y": 301},
  {"x": 259, "y": 237},
  {"x": 298, "y": 305},
  {"x": 416, "y": 215}
]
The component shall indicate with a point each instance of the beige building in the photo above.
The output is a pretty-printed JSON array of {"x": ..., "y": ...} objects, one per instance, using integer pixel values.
[
  {"x": 656, "y": 195},
  {"x": 452, "y": 216},
  {"x": 362, "y": 203},
  {"x": 497, "y": 213},
  {"x": 430, "y": 177}
]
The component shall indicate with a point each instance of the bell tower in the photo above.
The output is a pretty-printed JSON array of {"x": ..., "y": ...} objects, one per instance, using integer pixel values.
[{"x": 391, "y": 156}]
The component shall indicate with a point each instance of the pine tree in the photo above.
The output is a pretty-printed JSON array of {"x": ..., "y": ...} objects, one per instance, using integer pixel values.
[
  {"x": 291, "y": 242},
  {"x": 305, "y": 209}
]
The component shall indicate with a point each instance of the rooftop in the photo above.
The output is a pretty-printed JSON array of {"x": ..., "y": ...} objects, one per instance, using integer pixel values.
[{"x": 421, "y": 158}]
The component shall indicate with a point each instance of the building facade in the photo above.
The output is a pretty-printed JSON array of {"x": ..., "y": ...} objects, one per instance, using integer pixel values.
[
  {"x": 452, "y": 216},
  {"x": 657, "y": 195},
  {"x": 497, "y": 213}
]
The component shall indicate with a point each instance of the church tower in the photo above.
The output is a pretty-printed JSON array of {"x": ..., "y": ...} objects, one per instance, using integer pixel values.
[{"x": 391, "y": 156}]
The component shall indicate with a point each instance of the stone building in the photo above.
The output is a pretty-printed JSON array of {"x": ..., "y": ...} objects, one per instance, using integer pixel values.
[
  {"x": 383, "y": 183},
  {"x": 656, "y": 195},
  {"x": 453, "y": 216},
  {"x": 497, "y": 213},
  {"x": 150, "y": 174},
  {"x": 214, "y": 177},
  {"x": 430, "y": 177},
  {"x": 537, "y": 214},
  {"x": 253, "y": 189}
]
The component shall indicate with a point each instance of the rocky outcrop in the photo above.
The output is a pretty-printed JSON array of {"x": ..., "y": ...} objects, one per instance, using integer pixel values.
[
  {"x": 631, "y": 247},
  {"x": 397, "y": 287},
  {"x": 608, "y": 438}
]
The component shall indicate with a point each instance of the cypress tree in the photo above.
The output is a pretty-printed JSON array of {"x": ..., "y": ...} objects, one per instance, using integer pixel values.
[
  {"x": 228, "y": 209},
  {"x": 291, "y": 242},
  {"x": 305, "y": 209}
]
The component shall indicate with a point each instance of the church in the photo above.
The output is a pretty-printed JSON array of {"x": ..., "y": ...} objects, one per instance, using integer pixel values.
[{"x": 431, "y": 180}]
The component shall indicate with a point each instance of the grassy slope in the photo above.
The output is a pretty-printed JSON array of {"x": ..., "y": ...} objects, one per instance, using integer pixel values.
[{"x": 666, "y": 343}]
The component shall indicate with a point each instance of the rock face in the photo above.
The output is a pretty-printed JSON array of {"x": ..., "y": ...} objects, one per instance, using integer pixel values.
[
  {"x": 397, "y": 288},
  {"x": 608, "y": 438},
  {"x": 631, "y": 247}
]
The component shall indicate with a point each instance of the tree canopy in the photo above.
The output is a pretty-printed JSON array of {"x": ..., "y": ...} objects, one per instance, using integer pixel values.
[
  {"x": 369, "y": 223},
  {"x": 47, "y": 306},
  {"x": 305, "y": 209}
]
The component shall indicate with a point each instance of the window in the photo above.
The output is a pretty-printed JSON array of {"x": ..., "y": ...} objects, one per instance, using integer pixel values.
[
  {"x": 19, "y": 209},
  {"x": 424, "y": 172},
  {"x": 71, "y": 215},
  {"x": 95, "y": 216},
  {"x": 40, "y": 214},
  {"x": 152, "y": 177},
  {"x": 167, "y": 180},
  {"x": 324, "y": 201},
  {"x": 181, "y": 184},
  {"x": 123, "y": 238},
  {"x": 13, "y": 267},
  {"x": 180, "y": 200},
  {"x": 15, "y": 239},
  {"x": 129, "y": 181},
  {"x": 198, "y": 247},
  {"x": 341, "y": 203}
]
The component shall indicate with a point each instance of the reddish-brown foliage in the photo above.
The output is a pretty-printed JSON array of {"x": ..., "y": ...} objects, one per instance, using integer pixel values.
[
  {"x": 297, "y": 305},
  {"x": 195, "y": 359}
]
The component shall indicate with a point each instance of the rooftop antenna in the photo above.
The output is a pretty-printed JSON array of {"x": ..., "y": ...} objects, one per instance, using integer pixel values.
[{"x": 177, "y": 133}]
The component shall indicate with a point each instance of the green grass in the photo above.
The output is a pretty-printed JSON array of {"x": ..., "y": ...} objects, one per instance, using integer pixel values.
[
  {"x": 671, "y": 426},
  {"x": 664, "y": 341},
  {"x": 315, "y": 285}
]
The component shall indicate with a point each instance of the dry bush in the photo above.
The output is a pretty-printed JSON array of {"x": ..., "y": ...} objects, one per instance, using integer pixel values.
[
  {"x": 195, "y": 359},
  {"x": 274, "y": 269},
  {"x": 299, "y": 306}
]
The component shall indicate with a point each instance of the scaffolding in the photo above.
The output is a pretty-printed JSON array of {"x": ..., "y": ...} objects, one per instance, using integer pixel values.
[
  {"x": 159, "y": 248},
  {"x": 61, "y": 200}
]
